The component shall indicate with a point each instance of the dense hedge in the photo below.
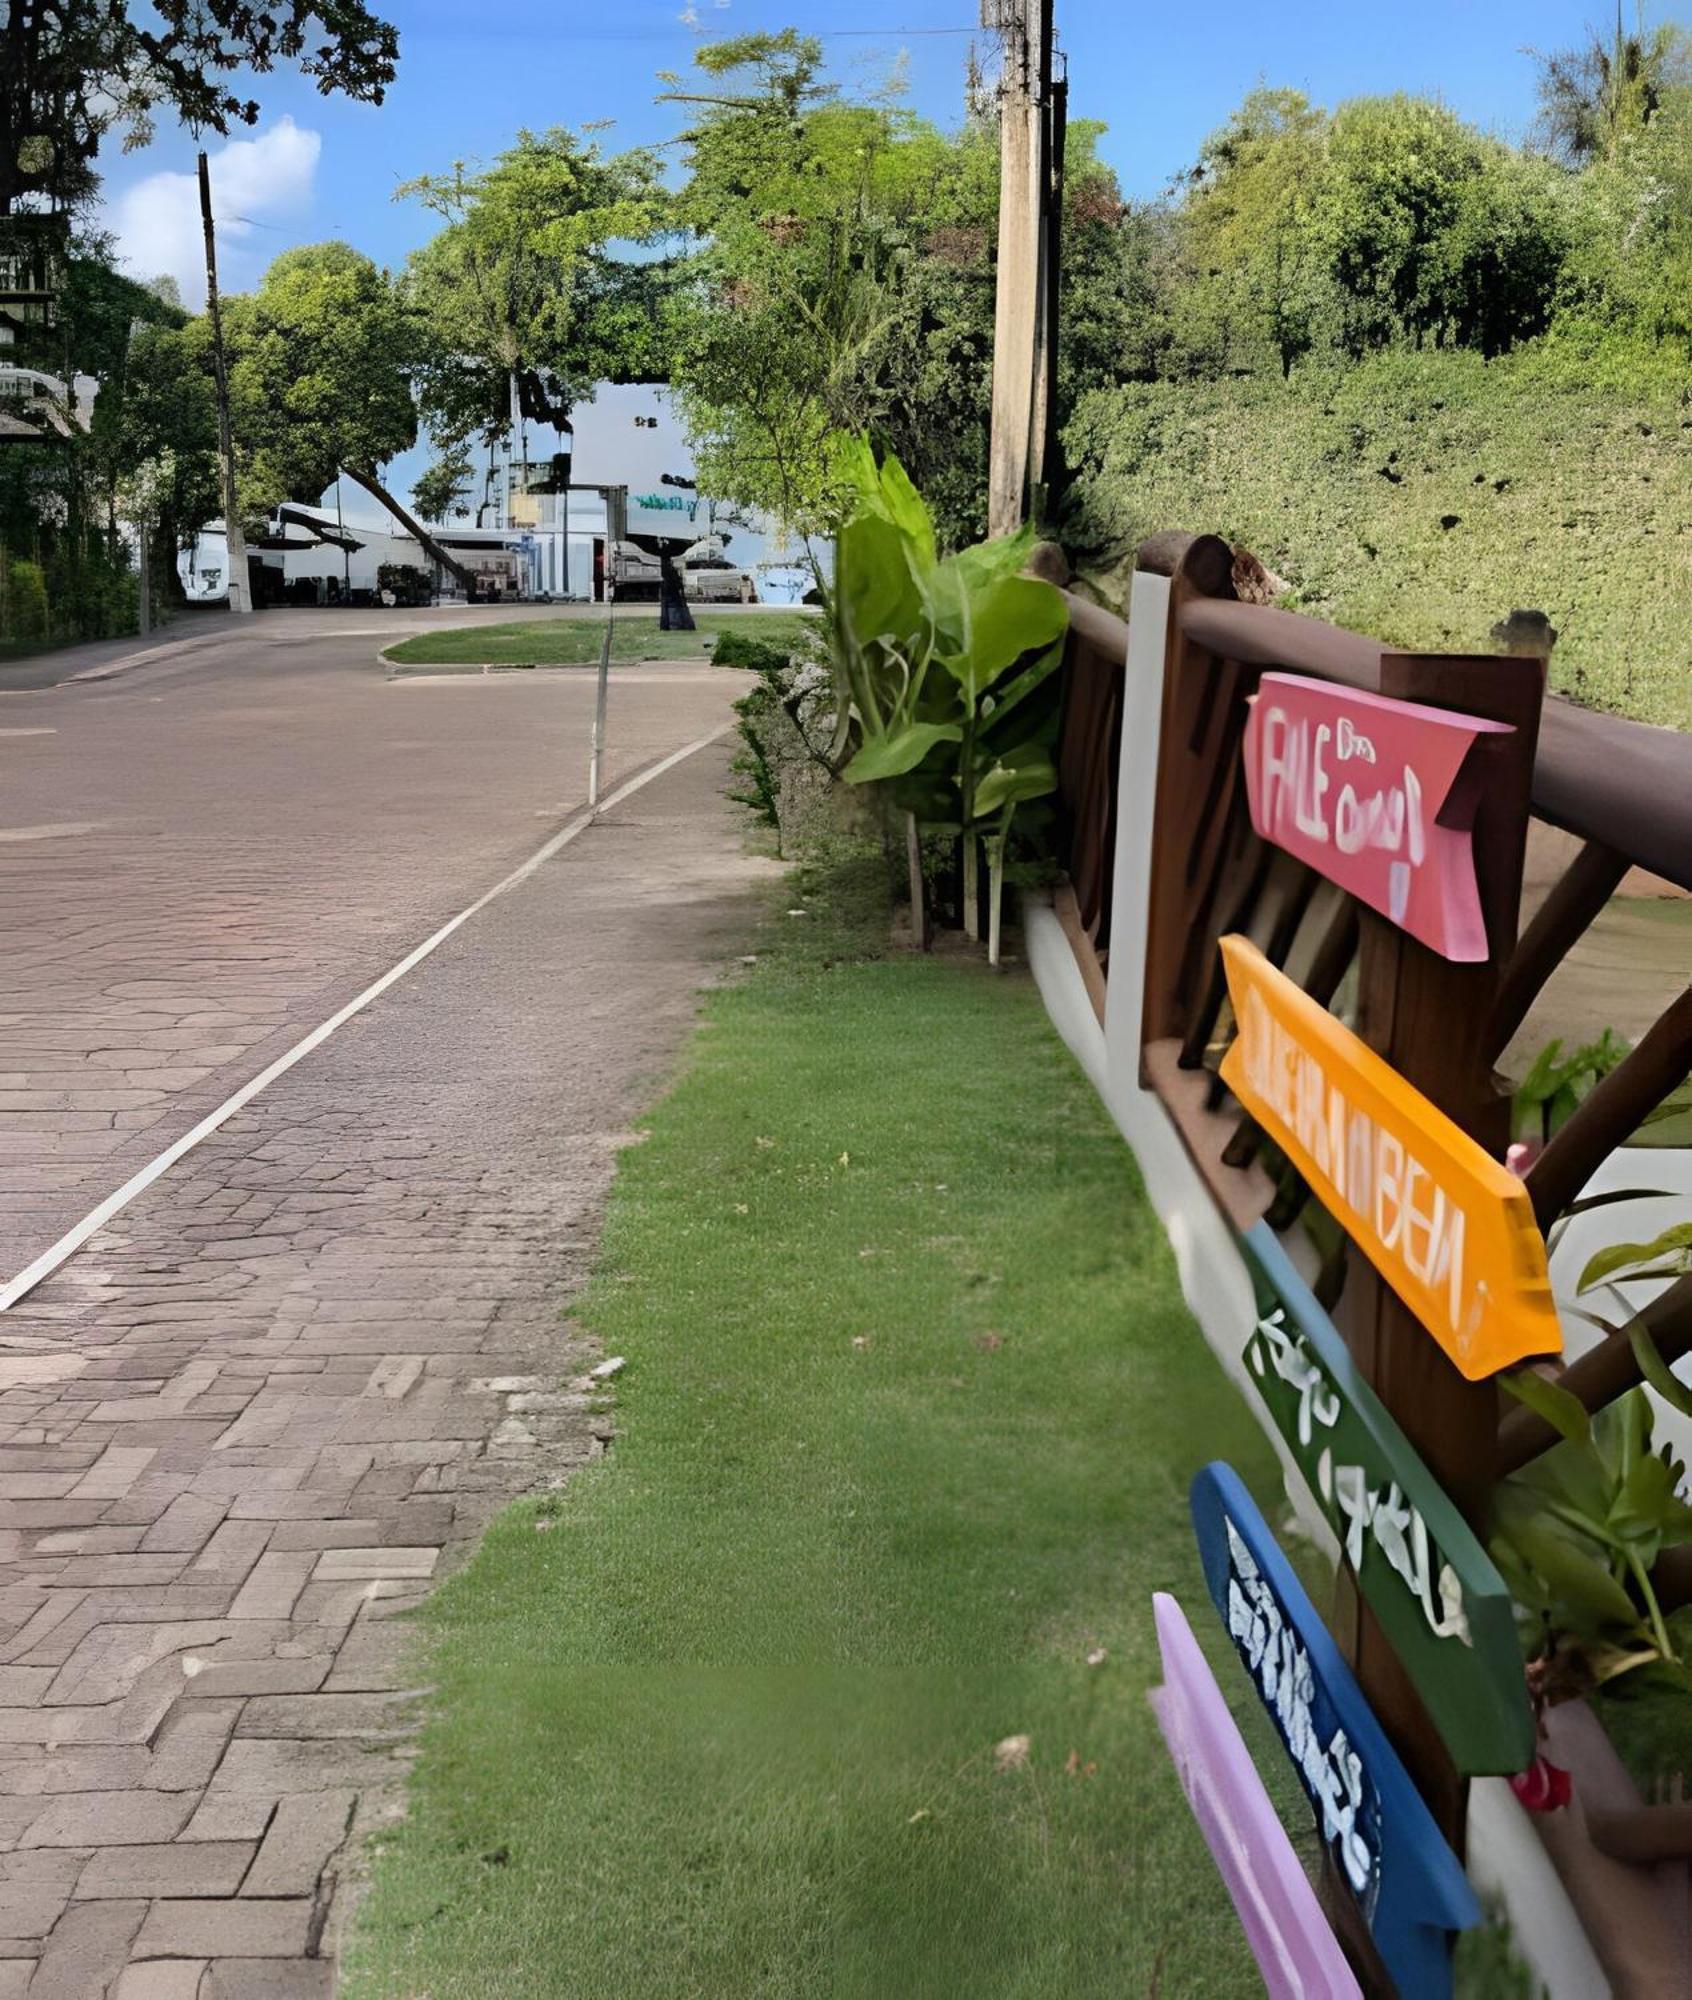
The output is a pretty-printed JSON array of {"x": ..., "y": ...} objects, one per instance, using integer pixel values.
[{"x": 1420, "y": 497}]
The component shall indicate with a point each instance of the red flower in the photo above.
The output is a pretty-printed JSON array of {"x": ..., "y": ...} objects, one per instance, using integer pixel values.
[{"x": 1543, "y": 1786}]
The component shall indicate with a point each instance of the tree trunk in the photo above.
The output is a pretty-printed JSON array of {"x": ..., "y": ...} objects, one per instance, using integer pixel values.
[{"x": 377, "y": 491}]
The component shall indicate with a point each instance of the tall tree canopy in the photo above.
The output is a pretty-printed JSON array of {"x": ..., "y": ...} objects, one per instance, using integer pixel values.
[
  {"x": 840, "y": 278},
  {"x": 323, "y": 358},
  {"x": 523, "y": 282}
]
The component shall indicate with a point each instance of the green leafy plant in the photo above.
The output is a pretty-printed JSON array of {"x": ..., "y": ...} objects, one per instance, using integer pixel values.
[
  {"x": 1556, "y": 1082},
  {"x": 1667, "y": 1255},
  {"x": 938, "y": 661},
  {"x": 777, "y": 719},
  {"x": 1576, "y": 1533}
]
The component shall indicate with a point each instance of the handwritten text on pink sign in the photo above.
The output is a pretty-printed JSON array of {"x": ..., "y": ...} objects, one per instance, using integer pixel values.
[{"x": 1378, "y": 796}]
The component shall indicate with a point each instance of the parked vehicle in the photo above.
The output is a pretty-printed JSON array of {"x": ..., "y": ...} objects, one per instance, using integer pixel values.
[
  {"x": 708, "y": 575},
  {"x": 403, "y": 583}
]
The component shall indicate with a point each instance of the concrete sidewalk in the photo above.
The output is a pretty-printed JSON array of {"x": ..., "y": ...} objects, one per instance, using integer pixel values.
[{"x": 277, "y": 1397}]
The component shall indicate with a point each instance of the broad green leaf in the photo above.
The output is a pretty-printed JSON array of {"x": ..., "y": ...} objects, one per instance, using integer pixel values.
[
  {"x": 1565, "y": 1414},
  {"x": 905, "y": 508},
  {"x": 1585, "y": 1591},
  {"x": 986, "y": 562},
  {"x": 1033, "y": 676},
  {"x": 1528, "y": 1589},
  {"x": 1010, "y": 617},
  {"x": 1621, "y": 1433},
  {"x": 1620, "y": 1256},
  {"x": 877, "y": 597},
  {"x": 1642, "y": 1506},
  {"x": 1009, "y": 782},
  {"x": 1574, "y": 1474},
  {"x": 1657, "y": 1372},
  {"x": 901, "y": 750},
  {"x": 946, "y": 600}
]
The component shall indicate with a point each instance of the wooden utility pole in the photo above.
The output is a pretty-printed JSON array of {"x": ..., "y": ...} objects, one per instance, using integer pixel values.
[
  {"x": 1024, "y": 320},
  {"x": 239, "y": 597}
]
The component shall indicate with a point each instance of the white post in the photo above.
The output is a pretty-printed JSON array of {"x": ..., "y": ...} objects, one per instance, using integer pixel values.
[{"x": 599, "y": 705}]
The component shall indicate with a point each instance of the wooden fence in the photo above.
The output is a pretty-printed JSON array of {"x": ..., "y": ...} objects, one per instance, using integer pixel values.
[{"x": 1440, "y": 1022}]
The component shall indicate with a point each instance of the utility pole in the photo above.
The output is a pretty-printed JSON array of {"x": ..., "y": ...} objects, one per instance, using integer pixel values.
[
  {"x": 240, "y": 599},
  {"x": 1024, "y": 326}
]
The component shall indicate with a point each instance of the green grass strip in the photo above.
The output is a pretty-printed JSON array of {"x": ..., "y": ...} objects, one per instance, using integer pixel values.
[
  {"x": 911, "y": 1406},
  {"x": 564, "y": 642}
]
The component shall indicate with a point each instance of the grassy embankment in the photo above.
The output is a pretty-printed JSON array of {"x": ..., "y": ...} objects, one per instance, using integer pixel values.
[
  {"x": 571, "y": 642},
  {"x": 911, "y": 1405},
  {"x": 1422, "y": 497}
]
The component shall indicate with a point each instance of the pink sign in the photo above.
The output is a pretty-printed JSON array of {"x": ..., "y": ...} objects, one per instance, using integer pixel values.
[
  {"x": 1289, "y": 1937},
  {"x": 1378, "y": 796}
]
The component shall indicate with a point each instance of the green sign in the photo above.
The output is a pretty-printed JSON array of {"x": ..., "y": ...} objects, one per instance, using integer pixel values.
[{"x": 1427, "y": 1579}]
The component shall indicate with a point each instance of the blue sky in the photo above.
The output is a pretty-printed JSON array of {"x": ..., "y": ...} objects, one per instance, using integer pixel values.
[{"x": 471, "y": 74}]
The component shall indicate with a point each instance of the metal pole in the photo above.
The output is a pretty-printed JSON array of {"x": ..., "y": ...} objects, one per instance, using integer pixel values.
[
  {"x": 341, "y": 524},
  {"x": 599, "y": 706},
  {"x": 611, "y": 512}
]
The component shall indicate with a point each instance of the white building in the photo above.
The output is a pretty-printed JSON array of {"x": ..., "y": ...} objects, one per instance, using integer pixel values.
[{"x": 522, "y": 532}]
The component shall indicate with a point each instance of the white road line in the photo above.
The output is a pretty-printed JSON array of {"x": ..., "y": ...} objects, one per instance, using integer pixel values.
[{"x": 97, "y": 1218}]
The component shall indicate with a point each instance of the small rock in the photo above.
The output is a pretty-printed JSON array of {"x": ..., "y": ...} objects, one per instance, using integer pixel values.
[
  {"x": 1097, "y": 1657},
  {"x": 1012, "y": 1753},
  {"x": 607, "y": 1369}
]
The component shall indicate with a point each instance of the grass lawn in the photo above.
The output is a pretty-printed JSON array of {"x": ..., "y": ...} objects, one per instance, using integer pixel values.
[
  {"x": 904, "y": 1437},
  {"x": 563, "y": 642}
]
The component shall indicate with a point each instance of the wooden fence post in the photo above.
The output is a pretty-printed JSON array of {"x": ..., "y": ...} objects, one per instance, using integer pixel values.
[{"x": 1429, "y": 1018}]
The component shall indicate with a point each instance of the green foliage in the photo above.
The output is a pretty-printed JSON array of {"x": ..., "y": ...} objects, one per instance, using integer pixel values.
[
  {"x": 1425, "y": 376},
  {"x": 1597, "y": 99},
  {"x": 321, "y": 360},
  {"x": 782, "y": 721},
  {"x": 937, "y": 659},
  {"x": 1576, "y": 1533},
  {"x": 1419, "y": 497},
  {"x": 1556, "y": 1083},
  {"x": 520, "y": 278},
  {"x": 23, "y": 603},
  {"x": 841, "y": 281},
  {"x": 75, "y": 72},
  {"x": 1667, "y": 1255}
]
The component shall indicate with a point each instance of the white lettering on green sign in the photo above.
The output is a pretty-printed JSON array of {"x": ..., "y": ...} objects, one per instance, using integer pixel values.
[{"x": 1379, "y": 1511}]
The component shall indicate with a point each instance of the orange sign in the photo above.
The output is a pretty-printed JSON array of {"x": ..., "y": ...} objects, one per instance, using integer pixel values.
[{"x": 1446, "y": 1226}]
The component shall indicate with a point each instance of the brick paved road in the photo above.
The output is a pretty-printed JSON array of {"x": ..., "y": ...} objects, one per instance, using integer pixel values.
[{"x": 264, "y": 1408}]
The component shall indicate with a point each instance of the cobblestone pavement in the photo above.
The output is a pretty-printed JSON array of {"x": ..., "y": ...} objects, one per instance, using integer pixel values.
[
  {"x": 203, "y": 859},
  {"x": 265, "y": 1408}
]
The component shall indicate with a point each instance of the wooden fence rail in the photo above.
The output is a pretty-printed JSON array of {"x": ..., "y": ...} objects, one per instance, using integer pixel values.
[{"x": 1623, "y": 789}]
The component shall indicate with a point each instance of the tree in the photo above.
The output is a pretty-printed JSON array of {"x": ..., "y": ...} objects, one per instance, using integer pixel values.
[
  {"x": 1247, "y": 220},
  {"x": 1430, "y": 232},
  {"x": 74, "y": 69},
  {"x": 521, "y": 289},
  {"x": 1594, "y": 99},
  {"x": 323, "y": 356},
  {"x": 840, "y": 281},
  {"x": 155, "y": 427}
]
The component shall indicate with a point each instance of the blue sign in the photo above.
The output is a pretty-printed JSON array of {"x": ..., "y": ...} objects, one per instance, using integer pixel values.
[{"x": 1408, "y": 1884}]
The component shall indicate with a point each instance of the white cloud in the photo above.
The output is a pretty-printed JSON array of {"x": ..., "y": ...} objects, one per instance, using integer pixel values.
[{"x": 255, "y": 182}]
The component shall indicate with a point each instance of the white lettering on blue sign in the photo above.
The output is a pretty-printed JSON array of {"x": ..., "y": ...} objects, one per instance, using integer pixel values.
[{"x": 1332, "y": 1772}]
